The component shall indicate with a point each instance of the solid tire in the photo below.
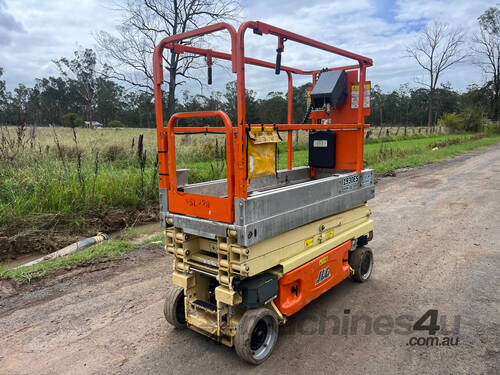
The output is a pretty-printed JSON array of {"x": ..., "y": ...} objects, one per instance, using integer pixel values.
[
  {"x": 173, "y": 309},
  {"x": 248, "y": 330},
  {"x": 358, "y": 262}
]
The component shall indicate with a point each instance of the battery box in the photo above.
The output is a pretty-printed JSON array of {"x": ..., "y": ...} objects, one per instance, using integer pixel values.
[
  {"x": 257, "y": 290},
  {"x": 322, "y": 149}
]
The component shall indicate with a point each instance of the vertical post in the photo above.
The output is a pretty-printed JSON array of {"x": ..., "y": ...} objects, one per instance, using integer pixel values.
[
  {"x": 161, "y": 138},
  {"x": 361, "y": 118},
  {"x": 290, "y": 120},
  {"x": 171, "y": 155},
  {"x": 240, "y": 180}
]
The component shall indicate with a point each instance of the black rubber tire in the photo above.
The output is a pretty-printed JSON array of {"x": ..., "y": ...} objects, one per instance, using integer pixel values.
[
  {"x": 173, "y": 309},
  {"x": 358, "y": 262},
  {"x": 248, "y": 329}
]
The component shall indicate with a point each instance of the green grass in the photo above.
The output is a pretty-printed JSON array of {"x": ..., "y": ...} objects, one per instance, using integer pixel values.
[
  {"x": 384, "y": 154},
  {"x": 40, "y": 191},
  {"x": 108, "y": 249},
  {"x": 48, "y": 191},
  {"x": 420, "y": 152},
  {"x": 413, "y": 152}
]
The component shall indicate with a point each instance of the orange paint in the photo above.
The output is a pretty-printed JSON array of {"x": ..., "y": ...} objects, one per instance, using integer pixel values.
[
  {"x": 347, "y": 122},
  {"x": 303, "y": 284}
]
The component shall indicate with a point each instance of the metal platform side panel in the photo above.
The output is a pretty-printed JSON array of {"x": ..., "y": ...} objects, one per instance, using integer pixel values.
[
  {"x": 283, "y": 209},
  {"x": 218, "y": 188},
  {"x": 163, "y": 207}
]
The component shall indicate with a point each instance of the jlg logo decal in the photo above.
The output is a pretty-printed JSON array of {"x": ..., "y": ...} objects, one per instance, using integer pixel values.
[{"x": 323, "y": 275}]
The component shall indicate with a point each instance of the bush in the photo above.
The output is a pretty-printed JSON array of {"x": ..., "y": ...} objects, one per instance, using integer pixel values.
[
  {"x": 115, "y": 124},
  {"x": 68, "y": 152},
  {"x": 114, "y": 152},
  {"x": 72, "y": 120},
  {"x": 473, "y": 119},
  {"x": 492, "y": 129},
  {"x": 452, "y": 121}
]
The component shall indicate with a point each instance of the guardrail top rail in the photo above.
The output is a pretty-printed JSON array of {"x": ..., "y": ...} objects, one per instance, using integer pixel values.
[{"x": 350, "y": 122}]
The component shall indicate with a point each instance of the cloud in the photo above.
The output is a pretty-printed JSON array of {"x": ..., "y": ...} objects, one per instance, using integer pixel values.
[
  {"x": 377, "y": 29},
  {"x": 40, "y": 31},
  {"x": 8, "y": 25},
  {"x": 49, "y": 30}
]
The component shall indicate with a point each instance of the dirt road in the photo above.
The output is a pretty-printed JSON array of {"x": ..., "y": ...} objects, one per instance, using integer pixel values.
[{"x": 436, "y": 246}]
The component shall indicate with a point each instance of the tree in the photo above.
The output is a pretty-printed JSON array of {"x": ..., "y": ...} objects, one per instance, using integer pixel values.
[
  {"x": 487, "y": 49},
  {"x": 144, "y": 24},
  {"x": 72, "y": 120},
  {"x": 490, "y": 20},
  {"x": 109, "y": 97},
  {"x": 300, "y": 102},
  {"x": 83, "y": 68},
  {"x": 56, "y": 98},
  {"x": 2, "y": 88},
  {"x": 20, "y": 102},
  {"x": 435, "y": 50},
  {"x": 230, "y": 106},
  {"x": 274, "y": 109},
  {"x": 115, "y": 124},
  {"x": 3, "y": 98}
]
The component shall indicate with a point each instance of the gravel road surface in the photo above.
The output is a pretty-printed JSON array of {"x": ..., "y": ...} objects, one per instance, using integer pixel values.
[{"x": 436, "y": 247}]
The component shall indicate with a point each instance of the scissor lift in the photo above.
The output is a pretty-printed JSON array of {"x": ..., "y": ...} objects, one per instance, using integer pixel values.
[{"x": 252, "y": 249}]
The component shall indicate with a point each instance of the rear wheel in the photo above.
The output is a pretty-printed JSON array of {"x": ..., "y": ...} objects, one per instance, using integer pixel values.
[
  {"x": 173, "y": 309},
  {"x": 257, "y": 335},
  {"x": 361, "y": 261}
]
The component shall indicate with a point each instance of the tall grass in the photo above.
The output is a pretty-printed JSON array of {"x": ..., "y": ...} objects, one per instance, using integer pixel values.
[
  {"x": 61, "y": 185},
  {"x": 66, "y": 180}
]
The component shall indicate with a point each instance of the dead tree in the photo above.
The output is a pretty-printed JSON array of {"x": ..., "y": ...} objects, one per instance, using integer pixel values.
[
  {"x": 435, "y": 50},
  {"x": 144, "y": 24}
]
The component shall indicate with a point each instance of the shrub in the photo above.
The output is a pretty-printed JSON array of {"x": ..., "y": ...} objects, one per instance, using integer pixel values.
[
  {"x": 452, "y": 121},
  {"x": 207, "y": 151},
  {"x": 114, "y": 152},
  {"x": 492, "y": 129},
  {"x": 68, "y": 152},
  {"x": 473, "y": 119},
  {"x": 72, "y": 119},
  {"x": 115, "y": 124}
]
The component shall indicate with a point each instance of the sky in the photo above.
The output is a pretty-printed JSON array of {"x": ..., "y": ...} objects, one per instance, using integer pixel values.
[{"x": 34, "y": 32}]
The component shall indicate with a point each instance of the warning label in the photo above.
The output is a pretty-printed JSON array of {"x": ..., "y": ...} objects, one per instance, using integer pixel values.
[
  {"x": 355, "y": 96},
  {"x": 366, "y": 96}
]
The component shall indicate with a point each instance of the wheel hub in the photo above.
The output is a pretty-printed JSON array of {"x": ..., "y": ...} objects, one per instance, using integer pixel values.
[
  {"x": 259, "y": 335},
  {"x": 365, "y": 264}
]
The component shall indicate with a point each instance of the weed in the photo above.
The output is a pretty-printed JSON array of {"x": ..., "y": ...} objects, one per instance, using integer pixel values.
[{"x": 114, "y": 152}]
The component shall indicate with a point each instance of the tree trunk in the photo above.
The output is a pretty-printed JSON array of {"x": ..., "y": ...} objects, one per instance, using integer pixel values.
[
  {"x": 429, "y": 112},
  {"x": 172, "y": 81},
  {"x": 171, "y": 94},
  {"x": 496, "y": 96}
]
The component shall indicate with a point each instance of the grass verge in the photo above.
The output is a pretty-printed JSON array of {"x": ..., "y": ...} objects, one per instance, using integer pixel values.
[
  {"x": 108, "y": 249},
  {"x": 408, "y": 152}
]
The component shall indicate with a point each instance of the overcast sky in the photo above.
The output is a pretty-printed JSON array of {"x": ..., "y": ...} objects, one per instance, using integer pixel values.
[{"x": 34, "y": 32}]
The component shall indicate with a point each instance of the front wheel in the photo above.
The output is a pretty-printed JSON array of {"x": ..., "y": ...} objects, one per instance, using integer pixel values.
[
  {"x": 173, "y": 309},
  {"x": 257, "y": 335},
  {"x": 361, "y": 261}
]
